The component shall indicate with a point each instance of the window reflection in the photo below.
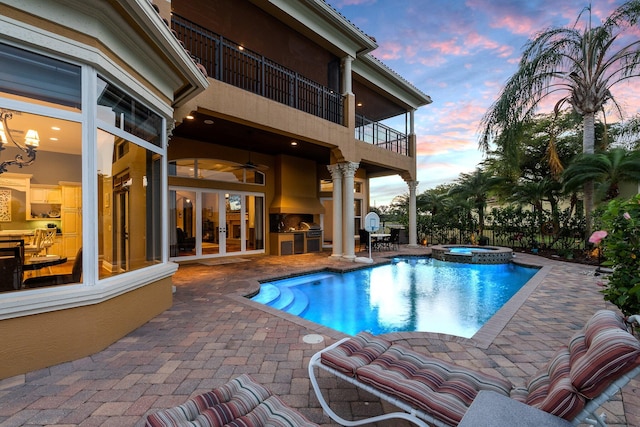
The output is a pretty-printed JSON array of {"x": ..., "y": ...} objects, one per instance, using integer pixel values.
[
  {"x": 127, "y": 114},
  {"x": 129, "y": 227}
]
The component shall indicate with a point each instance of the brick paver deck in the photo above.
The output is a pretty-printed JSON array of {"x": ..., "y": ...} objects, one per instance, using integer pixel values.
[{"x": 212, "y": 334}]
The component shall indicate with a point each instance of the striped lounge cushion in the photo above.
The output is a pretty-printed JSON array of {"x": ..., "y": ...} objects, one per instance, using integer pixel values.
[
  {"x": 595, "y": 357},
  {"x": 358, "y": 351},
  {"x": 439, "y": 388},
  {"x": 601, "y": 353},
  {"x": 550, "y": 389},
  {"x": 242, "y": 402}
]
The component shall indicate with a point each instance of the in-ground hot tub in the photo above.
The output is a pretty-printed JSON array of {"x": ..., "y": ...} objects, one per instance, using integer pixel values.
[{"x": 472, "y": 254}]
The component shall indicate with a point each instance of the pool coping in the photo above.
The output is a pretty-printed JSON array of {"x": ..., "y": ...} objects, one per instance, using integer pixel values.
[{"x": 483, "y": 338}]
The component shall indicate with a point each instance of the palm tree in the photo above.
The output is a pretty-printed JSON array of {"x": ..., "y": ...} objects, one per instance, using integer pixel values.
[
  {"x": 580, "y": 67},
  {"x": 475, "y": 188},
  {"x": 607, "y": 170}
]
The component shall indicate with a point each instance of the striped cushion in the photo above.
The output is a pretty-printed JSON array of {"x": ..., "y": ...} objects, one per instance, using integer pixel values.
[
  {"x": 359, "y": 351},
  {"x": 273, "y": 412},
  {"x": 236, "y": 400},
  {"x": 550, "y": 390},
  {"x": 601, "y": 353},
  {"x": 442, "y": 389}
]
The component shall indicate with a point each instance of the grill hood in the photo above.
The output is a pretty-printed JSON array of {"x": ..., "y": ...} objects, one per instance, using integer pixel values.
[
  {"x": 295, "y": 187},
  {"x": 283, "y": 204}
]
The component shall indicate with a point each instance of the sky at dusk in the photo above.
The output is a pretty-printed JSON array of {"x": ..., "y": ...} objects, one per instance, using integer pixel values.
[{"x": 460, "y": 53}]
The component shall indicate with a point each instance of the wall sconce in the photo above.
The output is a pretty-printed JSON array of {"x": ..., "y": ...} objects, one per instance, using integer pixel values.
[{"x": 31, "y": 141}]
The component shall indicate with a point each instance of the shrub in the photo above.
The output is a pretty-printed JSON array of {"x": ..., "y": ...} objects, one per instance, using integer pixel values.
[{"x": 620, "y": 242}]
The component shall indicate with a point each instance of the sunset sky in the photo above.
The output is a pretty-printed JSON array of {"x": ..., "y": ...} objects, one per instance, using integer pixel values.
[{"x": 460, "y": 53}]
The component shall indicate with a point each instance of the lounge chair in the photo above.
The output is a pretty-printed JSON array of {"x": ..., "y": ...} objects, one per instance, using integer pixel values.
[
  {"x": 240, "y": 402},
  {"x": 597, "y": 362}
]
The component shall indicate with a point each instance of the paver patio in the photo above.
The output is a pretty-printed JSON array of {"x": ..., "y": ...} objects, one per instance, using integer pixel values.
[{"x": 212, "y": 334}]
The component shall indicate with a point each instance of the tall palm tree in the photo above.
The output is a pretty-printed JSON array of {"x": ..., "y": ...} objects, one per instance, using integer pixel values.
[
  {"x": 607, "y": 170},
  {"x": 579, "y": 67},
  {"x": 475, "y": 188}
]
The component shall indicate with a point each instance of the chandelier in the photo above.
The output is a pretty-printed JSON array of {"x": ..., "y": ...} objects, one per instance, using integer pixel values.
[{"x": 27, "y": 149}]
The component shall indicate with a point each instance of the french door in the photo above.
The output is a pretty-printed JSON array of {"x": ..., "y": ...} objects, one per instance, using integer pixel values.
[{"x": 207, "y": 223}]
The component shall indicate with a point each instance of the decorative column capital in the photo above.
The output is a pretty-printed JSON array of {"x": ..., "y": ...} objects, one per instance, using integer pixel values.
[
  {"x": 335, "y": 171},
  {"x": 413, "y": 185},
  {"x": 349, "y": 169}
]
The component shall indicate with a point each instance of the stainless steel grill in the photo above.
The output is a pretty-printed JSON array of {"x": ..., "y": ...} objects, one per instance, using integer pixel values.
[{"x": 314, "y": 233}]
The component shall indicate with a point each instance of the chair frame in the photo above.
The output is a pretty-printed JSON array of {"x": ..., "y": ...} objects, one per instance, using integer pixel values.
[
  {"x": 411, "y": 414},
  {"x": 420, "y": 418}
]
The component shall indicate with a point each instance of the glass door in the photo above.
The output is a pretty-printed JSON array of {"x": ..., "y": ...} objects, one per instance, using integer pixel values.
[
  {"x": 213, "y": 224},
  {"x": 234, "y": 209},
  {"x": 207, "y": 223}
]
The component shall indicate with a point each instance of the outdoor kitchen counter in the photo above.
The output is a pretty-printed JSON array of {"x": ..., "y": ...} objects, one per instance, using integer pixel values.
[{"x": 295, "y": 242}]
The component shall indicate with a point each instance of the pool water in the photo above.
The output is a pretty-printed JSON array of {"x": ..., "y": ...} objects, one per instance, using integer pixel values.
[
  {"x": 468, "y": 250},
  {"x": 409, "y": 294}
]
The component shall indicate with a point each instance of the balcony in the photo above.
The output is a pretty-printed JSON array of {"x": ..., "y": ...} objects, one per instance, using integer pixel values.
[
  {"x": 224, "y": 60},
  {"x": 381, "y": 135}
]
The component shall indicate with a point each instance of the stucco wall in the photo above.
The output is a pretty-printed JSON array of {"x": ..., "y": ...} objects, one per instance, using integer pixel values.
[{"x": 39, "y": 341}]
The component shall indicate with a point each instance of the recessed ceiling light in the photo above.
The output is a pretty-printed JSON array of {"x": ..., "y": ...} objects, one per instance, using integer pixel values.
[
  {"x": 55, "y": 128},
  {"x": 53, "y": 139},
  {"x": 208, "y": 122},
  {"x": 294, "y": 143},
  {"x": 189, "y": 117}
]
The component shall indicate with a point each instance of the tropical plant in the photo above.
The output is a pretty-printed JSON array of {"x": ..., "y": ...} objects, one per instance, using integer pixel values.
[
  {"x": 620, "y": 240},
  {"x": 606, "y": 170},
  {"x": 579, "y": 67},
  {"x": 475, "y": 188}
]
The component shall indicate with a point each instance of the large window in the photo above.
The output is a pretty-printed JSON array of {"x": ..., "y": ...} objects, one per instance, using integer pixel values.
[
  {"x": 129, "y": 171},
  {"x": 215, "y": 170},
  {"x": 41, "y": 171},
  {"x": 42, "y": 190}
]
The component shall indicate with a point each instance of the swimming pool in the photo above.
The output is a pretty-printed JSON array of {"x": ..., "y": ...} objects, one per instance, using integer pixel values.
[{"x": 408, "y": 294}]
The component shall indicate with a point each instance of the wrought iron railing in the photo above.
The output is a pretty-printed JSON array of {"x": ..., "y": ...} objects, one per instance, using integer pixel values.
[
  {"x": 381, "y": 135},
  {"x": 228, "y": 62}
]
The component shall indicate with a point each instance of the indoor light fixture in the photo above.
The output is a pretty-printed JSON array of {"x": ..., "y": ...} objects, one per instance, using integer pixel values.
[{"x": 31, "y": 141}]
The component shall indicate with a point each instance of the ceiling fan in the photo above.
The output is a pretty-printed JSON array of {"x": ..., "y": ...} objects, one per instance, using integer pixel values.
[{"x": 249, "y": 165}]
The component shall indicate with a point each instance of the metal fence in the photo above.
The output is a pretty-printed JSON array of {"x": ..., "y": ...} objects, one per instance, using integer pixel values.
[
  {"x": 229, "y": 62},
  {"x": 381, "y": 135},
  {"x": 509, "y": 238}
]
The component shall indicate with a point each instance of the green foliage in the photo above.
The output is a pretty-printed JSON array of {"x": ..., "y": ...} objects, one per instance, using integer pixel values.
[{"x": 621, "y": 248}]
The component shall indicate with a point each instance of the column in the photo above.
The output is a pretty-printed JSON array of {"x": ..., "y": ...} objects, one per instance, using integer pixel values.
[
  {"x": 336, "y": 176},
  {"x": 413, "y": 232},
  {"x": 348, "y": 171},
  {"x": 346, "y": 76}
]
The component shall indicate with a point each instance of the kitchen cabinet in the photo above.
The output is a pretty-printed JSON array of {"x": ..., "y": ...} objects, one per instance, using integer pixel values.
[
  {"x": 71, "y": 218},
  {"x": 46, "y": 194},
  {"x": 44, "y": 201}
]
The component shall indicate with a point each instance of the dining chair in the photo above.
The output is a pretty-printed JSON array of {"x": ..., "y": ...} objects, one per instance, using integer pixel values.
[
  {"x": 48, "y": 239},
  {"x": 58, "y": 279},
  {"x": 33, "y": 248}
]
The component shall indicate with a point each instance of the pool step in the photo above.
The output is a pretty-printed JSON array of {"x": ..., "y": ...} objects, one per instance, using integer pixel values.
[
  {"x": 285, "y": 299},
  {"x": 268, "y": 293},
  {"x": 299, "y": 304}
]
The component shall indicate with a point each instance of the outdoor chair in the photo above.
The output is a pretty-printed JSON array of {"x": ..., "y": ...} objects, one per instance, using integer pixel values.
[
  {"x": 240, "y": 402},
  {"x": 597, "y": 362}
]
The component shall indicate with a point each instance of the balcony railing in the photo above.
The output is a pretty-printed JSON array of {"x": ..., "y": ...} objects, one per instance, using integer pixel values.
[
  {"x": 381, "y": 135},
  {"x": 226, "y": 61}
]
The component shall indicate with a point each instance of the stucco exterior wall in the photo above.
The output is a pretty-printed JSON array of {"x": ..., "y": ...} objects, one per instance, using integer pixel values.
[{"x": 42, "y": 340}]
